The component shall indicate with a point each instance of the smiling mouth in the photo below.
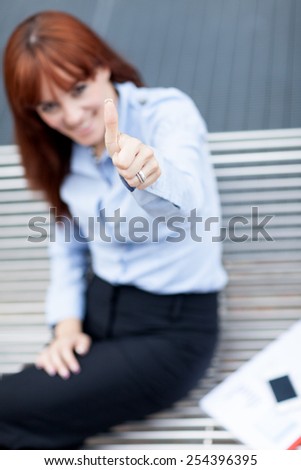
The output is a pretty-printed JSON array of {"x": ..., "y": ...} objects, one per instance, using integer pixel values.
[{"x": 85, "y": 129}]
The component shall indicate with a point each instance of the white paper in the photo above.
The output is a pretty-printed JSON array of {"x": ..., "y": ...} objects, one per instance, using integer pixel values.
[{"x": 246, "y": 404}]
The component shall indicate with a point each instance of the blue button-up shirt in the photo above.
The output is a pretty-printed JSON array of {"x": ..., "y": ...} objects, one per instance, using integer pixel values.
[{"x": 159, "y": 239}]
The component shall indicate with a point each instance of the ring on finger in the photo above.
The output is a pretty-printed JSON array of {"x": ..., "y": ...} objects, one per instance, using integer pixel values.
[{"x": 141, "y": 176}]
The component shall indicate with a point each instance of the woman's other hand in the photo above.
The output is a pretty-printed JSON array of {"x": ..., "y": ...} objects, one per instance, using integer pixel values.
[
  {"x": 134, "y": 161},
  {"x": 59, "y": 356}
]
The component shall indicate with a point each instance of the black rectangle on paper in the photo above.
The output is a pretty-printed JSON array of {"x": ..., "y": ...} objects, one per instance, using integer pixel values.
[{"x": 283, "y": 388}]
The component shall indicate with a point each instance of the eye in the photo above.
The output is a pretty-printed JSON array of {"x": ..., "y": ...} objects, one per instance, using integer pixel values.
[
  {"x": 78, "y": 89},
  {"x": 47, "y": 107}
]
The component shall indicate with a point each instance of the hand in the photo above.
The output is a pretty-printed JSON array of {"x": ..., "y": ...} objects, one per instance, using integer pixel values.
[
  {"x": 59, "y": 358},
  {"x": 129, "y": 155}
]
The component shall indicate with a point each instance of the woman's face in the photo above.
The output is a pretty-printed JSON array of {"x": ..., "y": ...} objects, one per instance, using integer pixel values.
[{"x": 78, "y": 113}]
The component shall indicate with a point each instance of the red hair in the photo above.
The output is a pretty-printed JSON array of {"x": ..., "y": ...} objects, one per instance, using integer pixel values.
[{"x": 45, "y": 44}]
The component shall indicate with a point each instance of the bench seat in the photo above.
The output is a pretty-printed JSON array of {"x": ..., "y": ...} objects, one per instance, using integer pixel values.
[{"x": 259, "y": 169}]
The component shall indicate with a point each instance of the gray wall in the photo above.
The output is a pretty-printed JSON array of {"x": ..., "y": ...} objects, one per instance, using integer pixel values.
[{"x": 238, "y": 59}]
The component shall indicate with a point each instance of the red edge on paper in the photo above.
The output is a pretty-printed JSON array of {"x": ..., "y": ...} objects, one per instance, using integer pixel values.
[{"x": 295, "y": 444}]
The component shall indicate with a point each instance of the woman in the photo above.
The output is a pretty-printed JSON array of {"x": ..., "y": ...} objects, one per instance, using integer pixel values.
[{"x": 135, "y": 270}]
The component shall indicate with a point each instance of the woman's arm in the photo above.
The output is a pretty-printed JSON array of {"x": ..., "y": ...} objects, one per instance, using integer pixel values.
[
  {"x": 65, "y": 304},
  {"x": 69, "y": 263},
  {"x": 176, "y": 149}
]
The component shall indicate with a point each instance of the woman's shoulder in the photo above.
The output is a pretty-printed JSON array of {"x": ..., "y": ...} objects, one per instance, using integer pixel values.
[
  {"x": 162, "y": 105},
  {"x": 168, "y": 104},
  {"x": 154, "y": 96}
]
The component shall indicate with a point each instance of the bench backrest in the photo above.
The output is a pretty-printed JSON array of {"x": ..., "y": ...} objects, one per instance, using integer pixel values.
[{"x": 258, "y": 169}]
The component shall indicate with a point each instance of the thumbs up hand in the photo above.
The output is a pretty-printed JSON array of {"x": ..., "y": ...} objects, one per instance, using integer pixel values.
[{"x": 134, "y": 161}]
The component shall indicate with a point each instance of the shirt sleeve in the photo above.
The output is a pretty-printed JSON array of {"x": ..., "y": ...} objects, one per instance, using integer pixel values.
[
  {"x": 178, "y": 136},
  {"x": 69, "y": 262}
]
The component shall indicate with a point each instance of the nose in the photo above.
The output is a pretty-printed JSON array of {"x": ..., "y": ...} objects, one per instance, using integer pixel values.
[{"x": 72, "y": 114}]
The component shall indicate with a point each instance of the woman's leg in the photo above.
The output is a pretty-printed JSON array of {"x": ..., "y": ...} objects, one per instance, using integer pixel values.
[
  {"x": 148, "y": 351},
  {"x": 42, "y": 412}
]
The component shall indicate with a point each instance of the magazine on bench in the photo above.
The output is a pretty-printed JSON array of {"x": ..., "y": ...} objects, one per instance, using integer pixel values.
[{"x": 260, "y": 403}]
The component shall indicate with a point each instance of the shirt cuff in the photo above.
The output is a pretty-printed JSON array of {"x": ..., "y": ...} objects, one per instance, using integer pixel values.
[{"x": 130, "y": 188}]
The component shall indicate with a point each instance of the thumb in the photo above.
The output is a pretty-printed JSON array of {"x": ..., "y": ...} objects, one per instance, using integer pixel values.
[
  {"x": 111, "y": 127},
  {"x": 82, "y": 344}
]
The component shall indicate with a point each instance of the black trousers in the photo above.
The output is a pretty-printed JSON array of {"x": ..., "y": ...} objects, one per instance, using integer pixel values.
[{"x": 147, "y": 352}]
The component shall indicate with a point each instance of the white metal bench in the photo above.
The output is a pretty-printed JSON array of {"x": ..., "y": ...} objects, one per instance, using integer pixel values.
[{"x": 263, "y": 298}]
